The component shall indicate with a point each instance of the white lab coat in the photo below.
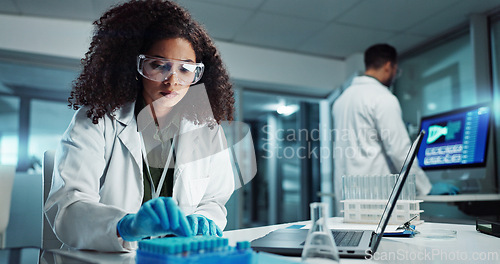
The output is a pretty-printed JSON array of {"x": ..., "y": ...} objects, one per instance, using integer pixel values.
[
  {"x": 370, "y": 136},
  {"x": 98, "y": 178}
]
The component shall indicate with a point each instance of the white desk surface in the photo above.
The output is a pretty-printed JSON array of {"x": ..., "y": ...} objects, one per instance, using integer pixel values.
[
  {"x": 469, "y": 246},
  {"x": 460, "y": 197}
]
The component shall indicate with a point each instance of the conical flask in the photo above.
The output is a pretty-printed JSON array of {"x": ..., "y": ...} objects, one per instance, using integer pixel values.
[{"x": 319, "y": 241}]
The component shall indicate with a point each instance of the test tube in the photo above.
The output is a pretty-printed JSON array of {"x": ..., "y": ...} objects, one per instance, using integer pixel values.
[
  {"x": 353, "y": 187},
  {"x": 393, "y": 179},
  {"x": 347, "y": 187},
  {"x": 375, "y": 186},
  {"x": 385, "y": 183},
  {"x": 404, "y": 192},
  {"x": 344, "y": 187},
  {"x": 359, "y": 185},
  {"x": 412, "y": 192},
  {"x": 362, "y": 189},
  {"x": 378, "y": 183},
  {"x": 368, "y": 192},
  {"x": 383, "y": 186},
  {"x": 391, "y": 182}
]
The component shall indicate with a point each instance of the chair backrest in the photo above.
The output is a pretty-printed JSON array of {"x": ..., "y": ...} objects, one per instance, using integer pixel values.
[
  {"x": 26, "y": 212},
  {"x": 50, "y": 240},
  {"x": 47, "y": 170},
  {"x": 7, "y": 173}
]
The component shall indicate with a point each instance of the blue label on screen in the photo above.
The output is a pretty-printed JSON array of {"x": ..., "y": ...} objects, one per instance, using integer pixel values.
[{"x": 455, "y": 139}]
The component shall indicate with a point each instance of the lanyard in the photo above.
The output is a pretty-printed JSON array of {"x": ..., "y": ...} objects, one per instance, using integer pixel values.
[{"x": 155, "y": 192}]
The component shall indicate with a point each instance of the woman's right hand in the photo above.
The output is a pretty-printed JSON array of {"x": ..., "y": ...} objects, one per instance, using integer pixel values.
[{"x": 157, "y": 217}]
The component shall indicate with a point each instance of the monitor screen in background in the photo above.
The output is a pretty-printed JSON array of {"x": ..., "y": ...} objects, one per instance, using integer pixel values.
[{"x": 455, "y": 139}]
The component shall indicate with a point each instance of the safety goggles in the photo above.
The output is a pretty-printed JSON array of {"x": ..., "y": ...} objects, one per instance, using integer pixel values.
[{"x": 160, "y": 69}]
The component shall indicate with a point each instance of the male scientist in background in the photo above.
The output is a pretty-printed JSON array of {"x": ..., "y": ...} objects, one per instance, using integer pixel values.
[{"x": 371, "y": 138}]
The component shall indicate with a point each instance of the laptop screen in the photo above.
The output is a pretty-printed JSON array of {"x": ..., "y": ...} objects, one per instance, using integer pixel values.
[{"x": 384, "y": 220}]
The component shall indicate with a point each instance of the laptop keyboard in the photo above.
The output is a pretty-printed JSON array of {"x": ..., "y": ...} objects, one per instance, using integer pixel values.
[{"x": 347, "y": 238}]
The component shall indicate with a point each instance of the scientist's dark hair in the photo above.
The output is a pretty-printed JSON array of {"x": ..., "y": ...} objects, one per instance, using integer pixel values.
[
  {"x": 109, "y": 78},
  {"x": 379, "y": 54}
]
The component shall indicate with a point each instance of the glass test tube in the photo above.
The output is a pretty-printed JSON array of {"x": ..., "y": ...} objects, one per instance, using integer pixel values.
[{"x": 345, "y": 187}]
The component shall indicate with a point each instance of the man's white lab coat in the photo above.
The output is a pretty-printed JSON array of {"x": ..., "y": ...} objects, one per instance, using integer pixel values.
[
  {"x": 98, "y": 178},
  {"x": 370, "y": 136}
]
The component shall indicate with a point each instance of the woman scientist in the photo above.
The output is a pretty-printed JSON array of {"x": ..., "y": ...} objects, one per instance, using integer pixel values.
[{"x": 112, "y": 184}]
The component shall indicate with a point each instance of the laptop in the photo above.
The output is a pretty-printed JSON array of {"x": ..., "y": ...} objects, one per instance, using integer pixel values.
[{"x": 350, "y": 243}]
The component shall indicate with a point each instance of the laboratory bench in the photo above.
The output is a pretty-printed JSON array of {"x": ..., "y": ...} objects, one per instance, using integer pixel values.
[
  {"x": 460, "y": 198},
  {"x": 436, "y": 243}
]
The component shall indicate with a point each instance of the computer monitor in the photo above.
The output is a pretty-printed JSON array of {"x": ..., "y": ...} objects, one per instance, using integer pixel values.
[{"x": 455, "y": 139}]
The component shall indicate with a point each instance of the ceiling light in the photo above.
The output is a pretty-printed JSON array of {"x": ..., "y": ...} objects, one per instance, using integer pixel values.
[{"x": 287, "y": 110}]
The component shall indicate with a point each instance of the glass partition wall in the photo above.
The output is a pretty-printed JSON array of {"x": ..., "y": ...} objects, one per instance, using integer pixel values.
[
  {"x": 285, "y": 131},
  {"x": 495, "y": 61},
  {"x": 436, "y": 80}
]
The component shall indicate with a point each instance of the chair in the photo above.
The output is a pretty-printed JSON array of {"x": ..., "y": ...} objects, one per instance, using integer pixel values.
[
  {"x": 50, "y": 240},
  {"x": 7, "y": 180},
  {"x": 26, "y": 212},
  {"x": 24, "y": 232}
]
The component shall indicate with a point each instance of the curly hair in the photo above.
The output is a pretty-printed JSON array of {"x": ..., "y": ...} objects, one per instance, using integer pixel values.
[{"x": 109, "y": 78}]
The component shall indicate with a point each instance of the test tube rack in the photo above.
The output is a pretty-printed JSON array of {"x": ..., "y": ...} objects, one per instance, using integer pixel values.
[
  {"x": 190, "y": 250},
  {"x": 370, "y": 211}
]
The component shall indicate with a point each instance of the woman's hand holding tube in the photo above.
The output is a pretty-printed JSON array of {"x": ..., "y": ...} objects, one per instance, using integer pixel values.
[{"x": 156, "y": 217}]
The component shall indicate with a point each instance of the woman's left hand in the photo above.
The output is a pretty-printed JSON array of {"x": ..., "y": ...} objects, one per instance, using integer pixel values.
[{"x": 203, "y": 226}]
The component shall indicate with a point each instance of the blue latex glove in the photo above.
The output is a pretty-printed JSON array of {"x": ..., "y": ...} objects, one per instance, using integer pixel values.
[
  {"x": 443, "y": 188},
  {"x": 156, "y": 217},
  {"x": 203, "y": 226}
]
